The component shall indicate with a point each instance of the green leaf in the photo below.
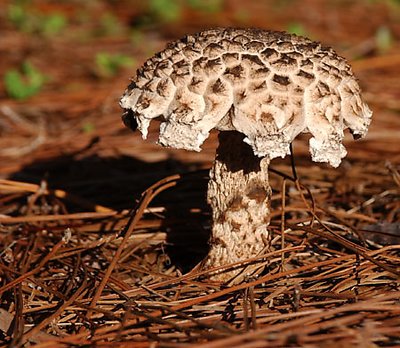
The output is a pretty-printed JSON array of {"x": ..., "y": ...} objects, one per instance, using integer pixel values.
[
  {"x": 19, "y": 17},
  {"x": 31, "y": 21},
  {"x": 16, "y": 14},
  {"x": 109, "y": 64},
  {"x": 242, "y": 15},
  {"x": 53, "y": 24},
  {"x": 24, "y": 84},
  {"x": 136, "y": 37},
  {"x": 166, "y": 10},
  {"x": 88, "y": 127},
  {"x": 110, "y": 25},
  {"x": 296, "y": 28},
  {"x": 212, "y": 6},
  {"x": 383, "y": 39}
]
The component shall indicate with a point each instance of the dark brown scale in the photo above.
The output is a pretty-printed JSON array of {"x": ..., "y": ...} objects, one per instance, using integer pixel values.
[
  {"x": 270, "y": 53},
  {"x": 306, "y": 75},
  {"x": 253, "y": 60},
  {"x": 266, "y": 117},
  {"x": 285, "y": 60},
  {"x": 256, "y": 87},
  {"x": 162, "y": 88},
  {"x": 218, "y": 87},
  {"x": 212, "y": 64},
  {"x": 282, "y": 80},
  {"x": 198, "y": 64},
  {"x": 254, "y": 46},
  {"x": 236, "y": 71}
]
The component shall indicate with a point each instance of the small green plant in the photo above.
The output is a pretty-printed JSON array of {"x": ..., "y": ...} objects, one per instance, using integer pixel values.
[
  {"x": 242, "y": 16},
  {"x": 110, "y": 25},
  {"x": 25, "y": 83},
  {"x": 53, "y": 24},
  {"x": 88, "y": 127},
  {"x": 383, "y": 39},
  {"x": 18, "y": 16},
  {"x": 107, "y": 64},
  {"x": 296, "y": 28},
  {"x": 136, "y": 37},
  {"x": 211, "y": 6},
  {"x": 35, "y": 22},
  {"x": 166, "y": 10}
]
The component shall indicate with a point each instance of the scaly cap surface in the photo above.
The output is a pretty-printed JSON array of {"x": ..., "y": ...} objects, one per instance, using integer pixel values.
[{"x": 268, "y": 85}]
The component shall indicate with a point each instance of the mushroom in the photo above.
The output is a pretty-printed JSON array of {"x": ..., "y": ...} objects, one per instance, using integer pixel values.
[{"x": 260, "y": 89}]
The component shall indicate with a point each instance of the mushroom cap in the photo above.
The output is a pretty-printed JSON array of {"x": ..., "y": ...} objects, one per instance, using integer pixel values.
[{"x": 270, "y": 86}]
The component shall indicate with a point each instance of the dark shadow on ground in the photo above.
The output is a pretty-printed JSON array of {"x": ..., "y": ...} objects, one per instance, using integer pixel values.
[
  {"x": 187, "y": 221},
  {"x": 117, "y": 183}
]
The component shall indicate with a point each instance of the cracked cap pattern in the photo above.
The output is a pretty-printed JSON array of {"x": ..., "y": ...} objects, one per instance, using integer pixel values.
[{"x": 270, "y": 86}]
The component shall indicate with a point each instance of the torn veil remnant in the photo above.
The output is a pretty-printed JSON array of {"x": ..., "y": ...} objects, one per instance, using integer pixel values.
[{"x": 262, "y": 89}]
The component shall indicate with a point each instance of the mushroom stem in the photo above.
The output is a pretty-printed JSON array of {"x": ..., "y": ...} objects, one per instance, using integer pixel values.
[{"x": 239, "y": 195}]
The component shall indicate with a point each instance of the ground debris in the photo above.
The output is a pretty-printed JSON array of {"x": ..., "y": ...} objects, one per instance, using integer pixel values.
[{"x": 101, "y": 232}]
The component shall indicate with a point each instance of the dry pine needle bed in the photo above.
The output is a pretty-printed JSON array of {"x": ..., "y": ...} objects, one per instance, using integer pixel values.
[
  {"x": 78, "y": 268},
  {"x": 75, "y": 278}
]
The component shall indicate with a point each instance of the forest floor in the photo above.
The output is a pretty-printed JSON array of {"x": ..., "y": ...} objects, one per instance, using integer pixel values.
[{"x": 100, "y": 230}]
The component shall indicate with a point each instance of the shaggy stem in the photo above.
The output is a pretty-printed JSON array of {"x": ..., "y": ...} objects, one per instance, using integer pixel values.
[{"x": 239, "y": 195}]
